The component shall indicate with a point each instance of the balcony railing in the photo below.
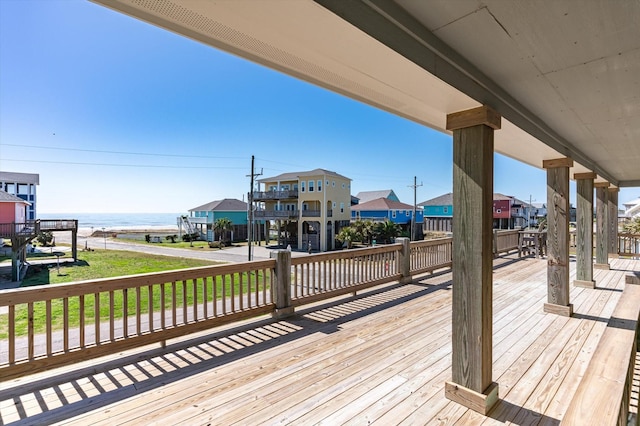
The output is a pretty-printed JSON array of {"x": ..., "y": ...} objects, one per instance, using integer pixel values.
[
  {"x": 275, "y": 195},
  {"x": 311, "y": 213},
  {"x": 275, "y": 214}
]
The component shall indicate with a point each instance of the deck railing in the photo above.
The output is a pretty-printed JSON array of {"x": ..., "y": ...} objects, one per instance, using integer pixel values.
[
  {"x": 49, "y": 326},
  {"x": 27, "y": 229},
  {"x": 429, "y": 255},
  {"x": 629, "y": 245},
  {"x": 320, "y": 276},
  {"x": 505, "y": 241}
]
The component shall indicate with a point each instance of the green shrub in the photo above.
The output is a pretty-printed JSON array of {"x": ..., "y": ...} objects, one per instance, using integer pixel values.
[{"x": 45, "y": 238}]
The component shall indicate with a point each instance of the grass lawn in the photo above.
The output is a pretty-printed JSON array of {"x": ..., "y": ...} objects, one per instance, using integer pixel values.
[{"x": 105, "y": 264}]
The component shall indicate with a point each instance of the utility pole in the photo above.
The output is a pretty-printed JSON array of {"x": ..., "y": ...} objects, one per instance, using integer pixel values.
[
  {"x": 415, "y": 209},
  {"x": 250, "y": 200}
]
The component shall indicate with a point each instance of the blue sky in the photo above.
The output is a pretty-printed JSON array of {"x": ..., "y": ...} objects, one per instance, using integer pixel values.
[{"x": 116, "y": 115}]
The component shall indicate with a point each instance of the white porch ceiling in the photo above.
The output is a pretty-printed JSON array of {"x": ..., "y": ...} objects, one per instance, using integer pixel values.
[{"x": 564, "y": 74}]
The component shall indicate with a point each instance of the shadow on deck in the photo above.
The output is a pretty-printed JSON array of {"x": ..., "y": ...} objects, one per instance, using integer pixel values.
[{"x": 382, "y": 356}]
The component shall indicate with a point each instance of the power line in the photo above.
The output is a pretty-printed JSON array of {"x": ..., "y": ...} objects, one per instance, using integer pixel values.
[
  {"x": 151, "y": 154},
  {"x": 119, "y": 165}
]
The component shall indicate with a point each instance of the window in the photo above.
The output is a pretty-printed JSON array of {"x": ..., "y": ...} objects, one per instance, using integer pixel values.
[
  {"x": 445, "y": 209},
  {"x": 393, "y": 213},
  {"x": 310, "y": 186},
  {"x": 327, "y": 183},
  {"x": 284, "y": 187},
  {"x": 273, "y": 188},
  {"x": 333, "y": 183},
  {"x": 408, "y": 213},
  {"x": 334, "y": 204},
  {"x": 302, "y": 186},
  {"x": 341, "y": 207},
  {"x": 304, "y": 206},
  {"x": 23, "y": 189},
  {"x": 319, "y": 186},
  {"x": 295, "y": 186},
  {"x": 343, "y": 186}
]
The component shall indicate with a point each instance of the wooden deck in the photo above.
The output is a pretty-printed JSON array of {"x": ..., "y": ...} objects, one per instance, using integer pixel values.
[{"x": 381, "y": 358}]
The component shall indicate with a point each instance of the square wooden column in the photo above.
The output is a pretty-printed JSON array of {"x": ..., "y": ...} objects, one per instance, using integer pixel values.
[
  {"x": 613, "y": 221},
  {"x": 584, "y": 230},
  {"x": 472, "y": 341},
  {"x": 602, "y": 225},
  {"x": 558, "y": 236}
]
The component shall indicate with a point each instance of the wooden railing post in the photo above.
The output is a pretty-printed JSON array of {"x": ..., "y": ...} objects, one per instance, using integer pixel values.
[
  {"x": 282, "y": 289},
  {"x": 404, "y": 260}
]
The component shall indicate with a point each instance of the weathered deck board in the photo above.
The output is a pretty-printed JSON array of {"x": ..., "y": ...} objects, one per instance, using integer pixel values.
[{"x": 381, "y": 358}]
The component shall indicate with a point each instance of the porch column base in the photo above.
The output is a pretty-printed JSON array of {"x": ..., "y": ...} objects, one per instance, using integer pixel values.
[
  {"x": 406, "y": 280},
  {"x": 604, "y": 266},
  {"x": 283, "y": 312},
  {"x": 584, "y": 284},
  {"x": 565, "y": 311},
  {"x": 632, "y": 278},
  {"x": 480, "y": 402}
]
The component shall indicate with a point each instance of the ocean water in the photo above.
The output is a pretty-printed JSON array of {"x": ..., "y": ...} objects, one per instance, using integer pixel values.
[{"x": 117, "y": 220}]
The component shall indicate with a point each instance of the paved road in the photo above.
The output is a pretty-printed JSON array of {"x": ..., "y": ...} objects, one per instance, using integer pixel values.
[{"x": 228, "y": 254}]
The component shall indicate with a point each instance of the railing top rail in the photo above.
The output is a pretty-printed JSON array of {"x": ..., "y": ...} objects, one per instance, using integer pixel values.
[
  {"x": 346, "y": 254},
  {"x": 431, "y": 242},
  {"x": 42, "y": 293}
]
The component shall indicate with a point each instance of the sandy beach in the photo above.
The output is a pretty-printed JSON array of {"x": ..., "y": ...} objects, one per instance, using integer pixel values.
[{"x": 154, "y": 230}]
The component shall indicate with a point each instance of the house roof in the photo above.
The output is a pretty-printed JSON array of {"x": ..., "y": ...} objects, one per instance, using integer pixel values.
[
  {"x": 631, "y": 203},
  {"x": 442, "y": 200},
  {"x": 382, "y": 204},
  {"x": 16, "y": 177},
  {"x": 297, "y": 175},
  {"x": 365, "y": 196},
  {"x": 5, "y": 197},
  {"x": 227, "y": 204},
  {"x": 498, "y": 196}
]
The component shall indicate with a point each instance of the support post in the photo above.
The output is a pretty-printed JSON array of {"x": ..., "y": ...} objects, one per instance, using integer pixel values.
[
  {"x": 584, "y": 230},
  {"x": 613, "y": 221},
  {"x": 558, "y": 236},
  {"x": 404, "y": 260},
  {"x": 472, "y": 331},
  {"x": 74, "y": 240},
  {"x": 602, "y": 227},
  {"x": 282, "y": 289}
]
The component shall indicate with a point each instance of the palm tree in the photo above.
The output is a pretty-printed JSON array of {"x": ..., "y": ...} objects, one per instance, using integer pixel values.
[
  {"x": 364, "y": 230},
  {"x": 387, "y": 231},
  {"x": 346, "y": 235},
  {"x": 221, "y": 225}
]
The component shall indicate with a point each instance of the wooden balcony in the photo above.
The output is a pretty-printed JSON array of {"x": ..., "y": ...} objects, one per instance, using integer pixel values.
[
  {"x": 275, "y": 195},
  {"x": 382, "y": 356},
  {"x": 276, "y": 214}
]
